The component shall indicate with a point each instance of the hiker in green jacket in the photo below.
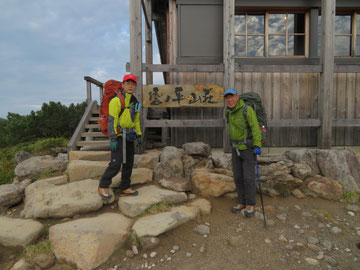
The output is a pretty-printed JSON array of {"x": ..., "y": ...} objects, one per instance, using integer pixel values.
[{"x": 245, "y": 136}]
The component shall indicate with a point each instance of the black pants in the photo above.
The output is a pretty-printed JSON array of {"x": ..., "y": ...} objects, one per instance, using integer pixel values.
[
  {"x": 115, "y": 165},
  {"x": 244, "y": 176}
]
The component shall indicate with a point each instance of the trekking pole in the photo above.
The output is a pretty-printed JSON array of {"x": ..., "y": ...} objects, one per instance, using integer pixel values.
[{"x": 261, "y": 198}]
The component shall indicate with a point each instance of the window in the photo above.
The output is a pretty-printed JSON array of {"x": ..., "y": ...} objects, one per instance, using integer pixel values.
[
  {"x": 270, "y": 35},
  {"x": 347, "y": 35}
]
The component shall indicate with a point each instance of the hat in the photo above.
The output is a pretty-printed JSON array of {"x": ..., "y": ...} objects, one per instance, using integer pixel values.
[
  {"x": 230, "y": 91},
  {"x": 130, "y": 77}
]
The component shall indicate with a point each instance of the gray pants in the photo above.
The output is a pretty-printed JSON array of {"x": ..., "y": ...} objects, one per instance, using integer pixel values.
[{"x": 244, "y": 176}]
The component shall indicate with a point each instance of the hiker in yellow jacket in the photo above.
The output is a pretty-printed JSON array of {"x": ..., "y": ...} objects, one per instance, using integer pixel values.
[{"x": 124, "y": 129}]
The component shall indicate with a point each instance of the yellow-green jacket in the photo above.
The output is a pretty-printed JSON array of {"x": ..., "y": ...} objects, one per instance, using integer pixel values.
[
  {"x": 125, "y": 120},
  {"x": 241, "y": 129}
]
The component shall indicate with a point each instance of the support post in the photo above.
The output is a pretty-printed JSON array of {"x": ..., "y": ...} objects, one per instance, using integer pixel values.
[
  {"x": 88, "y": 92},
  {"x": 136, "y": 49},
  {"x": 327, "y": 75},
  {"x": 148, "y": 40},
  {"x": 229, "y": 64}
]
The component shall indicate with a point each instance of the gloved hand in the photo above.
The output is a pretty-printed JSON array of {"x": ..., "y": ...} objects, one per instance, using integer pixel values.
[
  {"x": 113, "y": 145},
  {"x": 139, "y": 139},
  {"x": 257, "y": 151}
]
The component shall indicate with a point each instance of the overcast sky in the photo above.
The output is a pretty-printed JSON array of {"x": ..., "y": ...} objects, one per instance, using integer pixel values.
[{"x": 48, "y": 46}]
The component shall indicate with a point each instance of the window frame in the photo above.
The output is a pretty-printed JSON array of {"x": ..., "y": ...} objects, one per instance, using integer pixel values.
[{"x": 267, "y": 34}]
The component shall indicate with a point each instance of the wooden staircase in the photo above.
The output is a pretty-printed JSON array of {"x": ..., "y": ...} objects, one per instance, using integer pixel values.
[{"x": 87, "y": 134}]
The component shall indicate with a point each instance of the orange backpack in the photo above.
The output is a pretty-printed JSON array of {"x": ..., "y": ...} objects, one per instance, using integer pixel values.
[{"x": 111, "y": 88}]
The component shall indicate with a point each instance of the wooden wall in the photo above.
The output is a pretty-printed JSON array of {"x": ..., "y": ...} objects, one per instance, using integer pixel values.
[{"x": 285, "y": 96}]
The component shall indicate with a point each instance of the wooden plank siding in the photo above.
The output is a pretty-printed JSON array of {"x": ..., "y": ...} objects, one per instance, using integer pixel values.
[{"x": 285, "y": 96}]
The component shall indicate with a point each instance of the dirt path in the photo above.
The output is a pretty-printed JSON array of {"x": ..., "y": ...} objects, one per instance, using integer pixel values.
[{"x": 238, "y": 243}]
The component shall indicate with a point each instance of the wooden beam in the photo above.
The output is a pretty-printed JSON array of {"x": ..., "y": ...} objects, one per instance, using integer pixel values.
[
  {"x": 327, "y": 76},
  {"x": 347, "y": 68},
  {"x": 185, "y": 123},
  {"x": 346, "y": 123},
  {"x": 92, "y": 80},
  {"x": 294, "y": 123},
  {"x": 148, "y": 40},
  {"x": 278, "y": 68},
  {"x": 146, "y": 14},
  {"x": 229, "y": 62}
]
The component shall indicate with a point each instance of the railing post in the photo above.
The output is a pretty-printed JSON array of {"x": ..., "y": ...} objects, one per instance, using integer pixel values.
[{"x": 88, "y": 92}]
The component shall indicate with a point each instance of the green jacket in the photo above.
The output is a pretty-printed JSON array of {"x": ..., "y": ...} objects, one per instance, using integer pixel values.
[
  {"x": 238, "y": 127},
  {"x": 124, "y": 121}
]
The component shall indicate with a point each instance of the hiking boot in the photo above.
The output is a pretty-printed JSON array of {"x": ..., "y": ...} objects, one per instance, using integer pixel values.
[
  {"x": 237, "y": 208},
  {"x": 104, "y": 192},
  {"x": 249, "y": 211},
  {"x": 128, "y": 192}
]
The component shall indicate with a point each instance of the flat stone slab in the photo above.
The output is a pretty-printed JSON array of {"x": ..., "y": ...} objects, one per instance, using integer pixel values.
[
  {"x": 157, "y": 224},
  {"x": 19, "y": 232},
  {"x": 89, "y": 242},
  {"x": 148, "y": 196},
  {"x": 90, "y": 155},
  {"x": 138, "y": 176},
  {"x": 85, "y": 169},
  {"x": 12, "y": 194},
  {"x": 49, "y": 200}
]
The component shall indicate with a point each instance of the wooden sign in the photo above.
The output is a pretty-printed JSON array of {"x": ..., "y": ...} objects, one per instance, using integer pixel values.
[{"x": 183, "y": 96}]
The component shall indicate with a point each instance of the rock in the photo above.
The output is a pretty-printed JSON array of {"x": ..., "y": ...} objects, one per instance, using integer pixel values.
[
  {"x": 336, "y": 230},
  {"x": 282, "y": 217},
  {"x": 85, "y": 169},
  {"x": 21, "y": 156},
  {"x": 170, "y": 164},
  {"x": 138, "y": 176},
  {"x": 276, "y": 179},
  {"x": 148, "y": 160},
  {"x": 148, "y": 243},
  {"x": 237, "y": 241},
  {"x": 16, "y": 232},
  {"x": 90, "y": 155},
  {"x": 314, "y": 247},
  {"x": 12, "y": 194},
  {"x": 49, "y": 200},
  {"x": 135, "y": 250},
  {"x": 148, "y": 196},
  {"x": 326, "y": 244},
  {"x": 22, "y": 264},
  {"x": 313, "y": 240},
  {"x": 221, "y": 159},
  {"x": 202, "y": 229},
  {"x": 330, "y": 261},
  {"x": 203, "y": 205},
  {"x": 298, "y": 194},
  {"x": 209, "y": 182},
  {"x": 44, "y": 261},
  {"x": 353, "y": 208},
  {"x": 312, "y": 261},
  {"x": 157, "y": 224},
  {"x": 191, "y": 163},
  {"x": 89, "y": 242},
  {"x": 33, "y": 167},
  {"x": 324, "y": 187},
  {"x": 301, "y": 171},
  {"x": 283, "y": 239},
  {"x": 197, "y": 148},
  {"x": 341, "y": 165},
  {"x": 177, "y": 184}
]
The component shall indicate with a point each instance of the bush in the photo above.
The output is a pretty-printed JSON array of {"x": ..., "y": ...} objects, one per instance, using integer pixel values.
[{"x": 37, "y": 148}]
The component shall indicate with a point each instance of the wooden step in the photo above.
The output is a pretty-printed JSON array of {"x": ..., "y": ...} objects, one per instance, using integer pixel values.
[
  {"x": 93, "y": 134},
  {"x": 94, "y": 119},
  {"x": 92, "y": 126},
  {"x": 93, "y": 143}
]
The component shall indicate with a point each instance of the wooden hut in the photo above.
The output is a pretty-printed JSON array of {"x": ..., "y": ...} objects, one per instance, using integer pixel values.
[{"x": 301, "y": 56}]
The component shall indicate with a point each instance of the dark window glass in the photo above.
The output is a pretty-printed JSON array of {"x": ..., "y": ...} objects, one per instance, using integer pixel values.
[
  {"x": 240, "y": 45},
  {"x": 342, "y": 24},
  {"x": 342, "y": 46}
]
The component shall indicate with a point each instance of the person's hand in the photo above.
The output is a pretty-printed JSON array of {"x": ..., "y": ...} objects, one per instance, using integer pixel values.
[
  {"x": 257, "y": 151},
  {"x": 139, "y": 139},
  {"x": 113, "y": 145}
]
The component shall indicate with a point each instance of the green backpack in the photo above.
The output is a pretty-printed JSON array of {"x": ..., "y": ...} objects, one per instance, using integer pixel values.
[{"x": 253, "y": 100}]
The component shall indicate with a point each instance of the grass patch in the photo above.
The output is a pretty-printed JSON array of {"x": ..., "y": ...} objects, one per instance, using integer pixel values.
[
  {"x": 37, "y": 148},
  {"x": 326, "y": 214},
  {"x": 159, "y": 207},
  {"x": 352, "y": 197},
  {"x": 43, "y": 247}
]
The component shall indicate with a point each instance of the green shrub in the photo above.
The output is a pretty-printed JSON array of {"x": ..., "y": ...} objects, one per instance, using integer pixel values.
[
  {"x": 43, "y": 247},
  {"x": 352, "y": 197}
]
